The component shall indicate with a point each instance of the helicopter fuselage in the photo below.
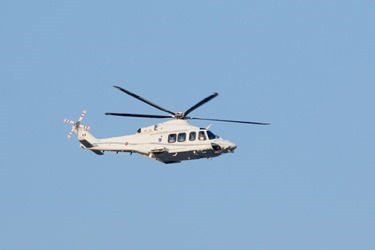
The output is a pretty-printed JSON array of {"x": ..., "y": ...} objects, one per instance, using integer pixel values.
[{"x": 169, "y": 142}]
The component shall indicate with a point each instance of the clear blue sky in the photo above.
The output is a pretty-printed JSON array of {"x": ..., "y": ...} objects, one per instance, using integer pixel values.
[{"x": 305, "y": 182}]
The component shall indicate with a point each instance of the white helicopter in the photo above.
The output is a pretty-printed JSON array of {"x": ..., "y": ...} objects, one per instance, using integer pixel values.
[{"x": 168, "y": 142}]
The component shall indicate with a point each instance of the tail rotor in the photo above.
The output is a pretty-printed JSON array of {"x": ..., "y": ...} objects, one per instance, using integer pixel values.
[{"x": 77, "y": 124}]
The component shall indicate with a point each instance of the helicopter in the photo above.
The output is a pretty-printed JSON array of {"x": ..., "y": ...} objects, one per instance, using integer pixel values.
[{"x": 173, "y": 141}]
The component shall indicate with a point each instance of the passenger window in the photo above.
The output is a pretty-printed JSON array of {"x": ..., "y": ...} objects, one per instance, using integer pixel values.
[
  {"x": 181, "y": 137},
  {"x": 202, "y": 136},
  {"x": 172, "y": 138},
  {"x": 192, "y": 136}
]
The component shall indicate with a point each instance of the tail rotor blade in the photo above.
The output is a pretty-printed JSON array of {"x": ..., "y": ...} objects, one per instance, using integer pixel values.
[
  {"x": 71, "y": 132},
  {"x": 68, "y": 121},
  {"x": 85, "y": 127},
  {"x": 82, "y": 115}
]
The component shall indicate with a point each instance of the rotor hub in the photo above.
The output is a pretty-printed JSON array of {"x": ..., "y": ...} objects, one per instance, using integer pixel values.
[{"x": 179, "y": 115}]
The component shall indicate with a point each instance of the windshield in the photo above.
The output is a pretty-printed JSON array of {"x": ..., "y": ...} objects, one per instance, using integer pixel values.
[{"x": 211, "y": 135}]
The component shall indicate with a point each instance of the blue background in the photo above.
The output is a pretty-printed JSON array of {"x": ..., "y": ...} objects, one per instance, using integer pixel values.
[{"x": 305, "y": 182}]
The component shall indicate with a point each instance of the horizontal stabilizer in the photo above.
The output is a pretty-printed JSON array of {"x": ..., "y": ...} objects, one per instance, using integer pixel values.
[
  {"x": 86, "y": 143},
  {"x": 98, "y": 152}
]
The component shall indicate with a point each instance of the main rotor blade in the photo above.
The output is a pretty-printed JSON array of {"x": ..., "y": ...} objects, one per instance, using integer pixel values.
[
  {"x": 139, "y": 115},
  {"x": 205, "y": 100},
  {"x": 219, "y": 120},
  {"x": 144, "y": 100}
]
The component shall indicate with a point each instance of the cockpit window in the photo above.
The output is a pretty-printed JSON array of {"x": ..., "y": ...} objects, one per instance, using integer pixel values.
[
  {"x": 211, "y": 135},
  {"x": 202, "y": 136}
]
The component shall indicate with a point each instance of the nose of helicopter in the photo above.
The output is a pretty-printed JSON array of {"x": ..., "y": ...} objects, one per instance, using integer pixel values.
[
  {"x": 233, "y": 146},
  {"x": 230, "y": 146}
]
